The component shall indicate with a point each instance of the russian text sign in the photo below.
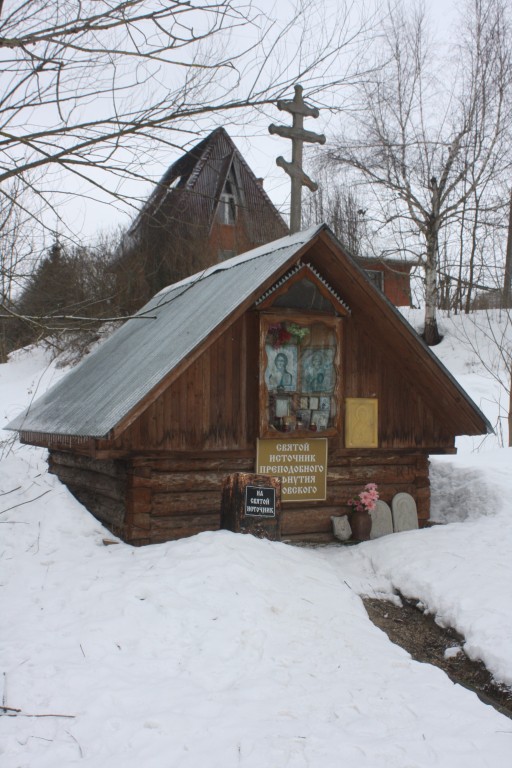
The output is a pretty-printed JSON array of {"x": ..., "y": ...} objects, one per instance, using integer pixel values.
[
  {"x": 259, "y": 501},
  {"x": 301, "y": 465}
]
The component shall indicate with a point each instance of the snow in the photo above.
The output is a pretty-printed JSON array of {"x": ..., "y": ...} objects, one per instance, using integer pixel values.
[{"x": 224, "y": 650}]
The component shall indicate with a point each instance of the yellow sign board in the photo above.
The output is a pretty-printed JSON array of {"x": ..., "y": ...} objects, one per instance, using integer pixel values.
[
  {"x": 361, "y": 422},
  {"x": 301, "y": 465}
]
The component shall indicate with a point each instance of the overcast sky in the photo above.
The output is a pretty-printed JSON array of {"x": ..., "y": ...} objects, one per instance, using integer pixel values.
[{"x": 86, "y": 217}]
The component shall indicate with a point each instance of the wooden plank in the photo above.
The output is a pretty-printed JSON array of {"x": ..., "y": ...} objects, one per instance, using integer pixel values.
[
  {"x": 243, "y": 402},
  {"x": 229, "y": 380},
  {"x": 252, "y": 387},
  {"x": 161, "y": 427}
]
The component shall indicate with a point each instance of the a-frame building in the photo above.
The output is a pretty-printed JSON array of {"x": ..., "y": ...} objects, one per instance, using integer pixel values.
[{"x": 208, "y": 207}]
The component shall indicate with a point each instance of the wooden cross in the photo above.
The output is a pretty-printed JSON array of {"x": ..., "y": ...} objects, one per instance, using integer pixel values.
[{"x": 299, "y": 109}]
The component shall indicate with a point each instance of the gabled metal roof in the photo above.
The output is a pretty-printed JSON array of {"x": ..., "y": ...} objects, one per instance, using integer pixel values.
[{"x": 104, "y": 388}]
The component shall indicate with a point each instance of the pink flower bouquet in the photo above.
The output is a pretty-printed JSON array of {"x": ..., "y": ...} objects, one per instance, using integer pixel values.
[{"x": 366, "y": 501}]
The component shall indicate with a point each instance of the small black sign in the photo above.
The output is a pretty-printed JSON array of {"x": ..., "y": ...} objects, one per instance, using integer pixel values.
[{"x": 260, "y": 502}]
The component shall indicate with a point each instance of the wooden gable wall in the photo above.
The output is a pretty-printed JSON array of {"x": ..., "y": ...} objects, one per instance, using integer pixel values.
[
  {"x": 213, "y": 405},
  {"x": 205, "y": 409},
  {"x": 406, "y": 418}
]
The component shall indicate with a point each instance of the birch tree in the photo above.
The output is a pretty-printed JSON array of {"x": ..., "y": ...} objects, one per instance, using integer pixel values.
[{"x": 429, "y": 135}]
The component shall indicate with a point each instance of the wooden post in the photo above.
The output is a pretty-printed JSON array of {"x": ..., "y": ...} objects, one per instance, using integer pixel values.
[
  {"x": 299, "y": 109},
  {"x": 252, "y": 504}
]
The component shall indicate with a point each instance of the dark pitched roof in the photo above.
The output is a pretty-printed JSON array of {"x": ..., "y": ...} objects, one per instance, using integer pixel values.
[{"x": 189, "y": 191}]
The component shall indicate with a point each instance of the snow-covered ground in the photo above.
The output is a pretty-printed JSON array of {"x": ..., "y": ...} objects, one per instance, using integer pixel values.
[{"x": 223, "y": 650}]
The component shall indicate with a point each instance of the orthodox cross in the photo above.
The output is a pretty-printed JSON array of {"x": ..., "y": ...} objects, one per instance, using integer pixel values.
[{"x": 299, "y": 109}]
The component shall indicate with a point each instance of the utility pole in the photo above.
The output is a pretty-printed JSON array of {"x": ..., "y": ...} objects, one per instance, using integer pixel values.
[{"x": 299, "y": 109}]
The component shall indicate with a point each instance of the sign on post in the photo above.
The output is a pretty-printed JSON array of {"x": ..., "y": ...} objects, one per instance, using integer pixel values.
[
  {"x": 252, "y": 504},
  {"x": 260, "y": 502}
]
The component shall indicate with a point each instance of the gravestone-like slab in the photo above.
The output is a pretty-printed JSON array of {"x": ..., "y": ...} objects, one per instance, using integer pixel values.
[
  {"x": 382, "y": 522},
  {"x": 341, "y": 527},
  {"x": 405, "y": 513}
]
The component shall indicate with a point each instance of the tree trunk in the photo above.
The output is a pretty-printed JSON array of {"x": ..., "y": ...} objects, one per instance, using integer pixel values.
[
  {"x": 431, "y": 333},
  {"x": 507, "y": 282},
  {"x": 510, "y": 409}
]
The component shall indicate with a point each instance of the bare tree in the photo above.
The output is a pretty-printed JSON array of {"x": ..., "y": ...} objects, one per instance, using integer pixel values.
[
  {"x": 93, "y": 87},
  {"x": 342, "y": 207},
  {"x": 433, "y": 143},
  {"x": 16, "y": 255},
  {"x": 68, "y": 299}
]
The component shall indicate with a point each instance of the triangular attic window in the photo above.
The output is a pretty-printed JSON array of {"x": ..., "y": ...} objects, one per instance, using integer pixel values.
[
  {"x": 303, "y": 288},
  {"x": 229, "y": 200}
]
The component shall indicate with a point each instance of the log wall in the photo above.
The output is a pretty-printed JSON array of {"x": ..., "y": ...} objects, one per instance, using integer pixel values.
[
  {"x": 149, "y": 500},
  {"x": 101, "y": 486}
]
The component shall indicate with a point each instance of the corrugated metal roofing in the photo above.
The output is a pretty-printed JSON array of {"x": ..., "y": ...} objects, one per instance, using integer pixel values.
[{"x": 94, "y": 397}]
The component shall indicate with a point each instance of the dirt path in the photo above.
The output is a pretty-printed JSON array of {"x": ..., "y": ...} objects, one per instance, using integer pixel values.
[{"x": 419, "y": 634}]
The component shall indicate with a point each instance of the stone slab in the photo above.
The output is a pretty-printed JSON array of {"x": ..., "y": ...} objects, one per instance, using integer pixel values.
[
  {"x": 405, "y": 512},
  {"x": 382, "y": 521}
]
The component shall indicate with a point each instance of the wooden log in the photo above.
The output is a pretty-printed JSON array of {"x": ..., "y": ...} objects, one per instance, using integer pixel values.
[
  {"x": 345, "y": 457},
  {"x": 182, "y": 462},
  {"x": 139, "y": 498},
  {"x": 423, "y": 503},
  {"x": 251, "y": 503},
  {"x": 110, "y": 487},
  {"x": 175, "y": 482},
  {"x": 176, "y": 503},
  {"x": 158, "y": 537},
  {"x": 371, "y": 473},
  {"x": 138, "y": 537},
  {"x": 206, "y": 522},
  {"x": 108, "y": 511},
  {"x": 309, "y": 538},
  {"x": 302, "y": 521},
  {"x": 109, "y": 468},
  {"x": 140, "y": 520},
  {"x": 339, "y": 495}
]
